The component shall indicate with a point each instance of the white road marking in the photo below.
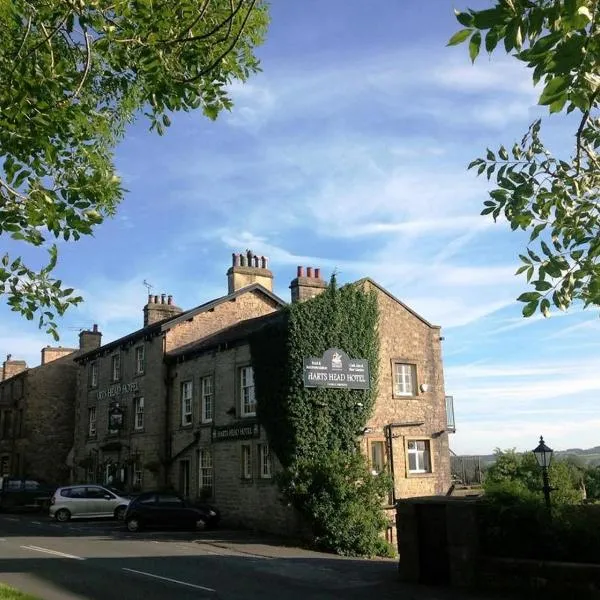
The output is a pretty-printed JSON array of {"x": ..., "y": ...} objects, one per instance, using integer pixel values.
[
  {"x": 11, "y": 519},
  {"x": 52, "y": 552},
  {"x": 192, "y": 585},
  {"x": 36, "y": 522}
]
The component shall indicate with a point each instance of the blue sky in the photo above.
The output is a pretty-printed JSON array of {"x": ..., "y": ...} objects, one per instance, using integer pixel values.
[{"x": 349, "y": 152}]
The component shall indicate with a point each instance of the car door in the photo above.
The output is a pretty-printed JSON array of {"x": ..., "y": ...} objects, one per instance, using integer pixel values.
[
  {"x": 78, "y": 504},
  {"x": 104, "y": 502},
  {"x": 173, "y": 514}
]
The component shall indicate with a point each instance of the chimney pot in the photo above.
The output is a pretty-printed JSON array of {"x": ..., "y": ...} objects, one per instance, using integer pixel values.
[
  {"x": 242, "y": 260},
  {"x": 156, "y": 299},
  {"x": 169, "y": 300},
  {"x": 263, "y": 262},
  {"x": 150, "y": 298},
  {"x": 300, "y": 271},
  {"x": 318, "y": 273},
  {"x": 309, "y": 271},
  {"x": 233, "y": 257},
  {"x": 95, "y": 328},
  {"x": 162, "y": 298}
]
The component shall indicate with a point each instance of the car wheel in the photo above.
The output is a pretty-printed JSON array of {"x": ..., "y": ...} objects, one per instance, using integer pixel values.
[
  {"x": 199, "y": 525},
  {"x": 62, "y": 515},
  {"x": 120, "y": 513},
  {"x": 133, "y": 524}
]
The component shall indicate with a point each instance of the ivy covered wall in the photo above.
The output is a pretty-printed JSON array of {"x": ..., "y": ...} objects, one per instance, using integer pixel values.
[{"x": 314, "y": 431}]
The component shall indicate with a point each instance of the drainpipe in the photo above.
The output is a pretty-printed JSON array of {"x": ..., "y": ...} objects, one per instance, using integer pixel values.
[{"x": 388, "y": 431}]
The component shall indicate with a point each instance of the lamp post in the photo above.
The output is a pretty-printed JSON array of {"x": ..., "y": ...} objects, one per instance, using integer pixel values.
[{"x": 543, "y": 456}]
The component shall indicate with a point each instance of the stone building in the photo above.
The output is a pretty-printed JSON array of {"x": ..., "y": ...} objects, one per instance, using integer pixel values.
[
  {"x": 123, "y": 433},
  {"x": 37, "y": 412},
  {"x": 173, "y": 403}
]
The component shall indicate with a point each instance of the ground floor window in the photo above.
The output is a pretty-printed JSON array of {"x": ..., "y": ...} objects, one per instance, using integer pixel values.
[
  {"x": 419, "y": 456},
  {"x": 265, "y": 461},
  {"x": 205, "y": 474},
  {"x": 246, "y": 461},
  {"x": 377, "y": 457},
  {"x": 4, "y": 466},
  {"x": 137, "y": 476}
]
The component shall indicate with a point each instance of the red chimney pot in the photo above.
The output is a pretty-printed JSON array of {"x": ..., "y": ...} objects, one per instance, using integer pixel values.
[
  {"x": 318, "y": 273},
  {"x": 300, "y": 272},
  {"x": 309, "y": 272}
]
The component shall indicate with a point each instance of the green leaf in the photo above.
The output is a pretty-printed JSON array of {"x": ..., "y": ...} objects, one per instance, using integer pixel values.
[
  {"x": 529, "y": 297},
  {"x": 545, "y": 307},
  {"x": 530, "y": 308},
  {"x": 491, "y": 40},
  {"x": 474, "y": 45},
  {"x": 464, "y": 18},
  {"x": 542, "y": 286},
  {"x": 553, "y": 90}
]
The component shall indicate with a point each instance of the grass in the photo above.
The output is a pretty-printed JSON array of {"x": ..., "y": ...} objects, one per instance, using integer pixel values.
[{"x": 9, "y": 593}]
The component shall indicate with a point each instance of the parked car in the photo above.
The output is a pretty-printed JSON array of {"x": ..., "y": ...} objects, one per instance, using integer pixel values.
[
  {"x": 16, "y": 493},
  {"x": 86, "y": 501},
  {"x": 168, "y": 510}
]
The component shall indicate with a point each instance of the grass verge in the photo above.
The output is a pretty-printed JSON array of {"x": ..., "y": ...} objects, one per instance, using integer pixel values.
[{"x": 9, "y": 593}]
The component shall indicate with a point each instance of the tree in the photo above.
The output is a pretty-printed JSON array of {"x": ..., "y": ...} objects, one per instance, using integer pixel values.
[
  {"x": 555, "y": 199},
  {"x": 74, "y": 73},
  {"x": 518, "y": 477}
]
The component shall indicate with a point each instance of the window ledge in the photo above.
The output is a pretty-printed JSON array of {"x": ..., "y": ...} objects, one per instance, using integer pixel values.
[{"x": 418, "y": 475}]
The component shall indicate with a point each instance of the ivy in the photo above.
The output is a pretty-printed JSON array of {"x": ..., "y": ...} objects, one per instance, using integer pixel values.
[{"x": 314, "y": 431}]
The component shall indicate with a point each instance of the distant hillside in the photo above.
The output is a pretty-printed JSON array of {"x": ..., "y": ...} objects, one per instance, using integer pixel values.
[{"x": 586, "y": 456}]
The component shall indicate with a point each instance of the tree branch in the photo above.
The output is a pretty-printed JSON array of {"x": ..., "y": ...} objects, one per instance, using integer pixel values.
[
  {"x": 88, "y": 63},
  {"x": 12, "y": 190}
]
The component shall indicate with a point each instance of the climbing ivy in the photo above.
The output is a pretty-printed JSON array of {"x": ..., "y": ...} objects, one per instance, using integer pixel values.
[{"x": 314, "y": 431}]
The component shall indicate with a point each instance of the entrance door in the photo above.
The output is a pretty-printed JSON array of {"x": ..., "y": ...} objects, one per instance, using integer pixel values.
[
  {"x": 434, "y": 562},
  {"x": 184, "y": 478}
]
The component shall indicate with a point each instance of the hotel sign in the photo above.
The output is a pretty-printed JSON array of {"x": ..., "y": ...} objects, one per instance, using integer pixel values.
[
  {"x": 336, "y": 370},
  {"x": 235, "y": 432},
  {"x": 118, "y": 389}
]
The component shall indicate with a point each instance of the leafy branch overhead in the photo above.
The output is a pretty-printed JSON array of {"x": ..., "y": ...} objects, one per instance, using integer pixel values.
[
  {"x": 555, "y": 199},
  {"x": 74, "y": 74}
]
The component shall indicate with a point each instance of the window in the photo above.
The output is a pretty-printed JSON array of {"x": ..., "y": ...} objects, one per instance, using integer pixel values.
[
  {"x": 4, "y": 466},
  {"x": 92, "y": 421},
  {"x": 246, "y": 461},
  {"x": 170, "y": 500},
  {"x": 207, "y": 408},
  {"x": 419, "y": 456},
  {"x": 205, "y": 474},
  {"x": 404, "y": 380},
  {"x": 265, "y": 461},
  {"x": 116, "y": 367},
  {"x": 451, "y": 424},
  {"x": 377, "y": 457},
  {"x": 247, "y": 392},
  {"x": 138, "y": 422},
  {"x": 137, "y": 477},
  {"x": 94, "y": 374},
  {"x": 140, "y": 359},
  {"x": 186, "y": 403}
]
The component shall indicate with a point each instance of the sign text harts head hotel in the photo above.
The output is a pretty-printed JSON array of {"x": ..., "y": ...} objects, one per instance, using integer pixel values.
[{"x": 336, "y": 370}]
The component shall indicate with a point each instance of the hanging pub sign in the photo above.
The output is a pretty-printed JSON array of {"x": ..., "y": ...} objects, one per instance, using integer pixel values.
[
  {"x": 336, "y": 370},
  {"x": 115, "y": 418},
  {"x": 235, "y": 432}
]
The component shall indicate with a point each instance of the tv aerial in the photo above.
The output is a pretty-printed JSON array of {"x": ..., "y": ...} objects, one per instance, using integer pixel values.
[{"x": 149, "y": 286}]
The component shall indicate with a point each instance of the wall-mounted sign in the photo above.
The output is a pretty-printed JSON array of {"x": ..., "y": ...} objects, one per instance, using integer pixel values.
[
  {"x": 244, "y": 431},
  {"x": 336, "y": 370},
  {"x": 117, "y": 389},
  {"x": 116, "y": 417}
]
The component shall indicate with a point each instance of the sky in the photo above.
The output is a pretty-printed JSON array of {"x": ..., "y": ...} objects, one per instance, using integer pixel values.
[{"x": 349, "y": 152}]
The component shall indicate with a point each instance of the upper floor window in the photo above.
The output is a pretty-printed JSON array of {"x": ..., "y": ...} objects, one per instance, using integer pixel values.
[
  {"x": 419, "y": 456},
  {"x": 92, "y": 421},
  {"x": 248, "y": 399},
  {"x": 207, "y": 408},
  {"x": 94, "y": 374},
  {"x": 116, "y": 367},
  {"x": 451, "y": 424},
  {"x": 404, "y": 379},
  {"x": 138, "y": 422},
  {"x": 140, "y": 360},
  {"x": 186, "y": 403}
]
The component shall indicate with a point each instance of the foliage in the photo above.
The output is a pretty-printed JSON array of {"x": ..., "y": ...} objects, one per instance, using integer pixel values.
[
  {"x": 554, "y": 198},
  {"x": 517, "y": 478},
  {"x": 314, "y": 432},
  {"x": 592, "y": 483},
  {"x": 74, "y": 74},
  {"x": 10, "y": 593}
]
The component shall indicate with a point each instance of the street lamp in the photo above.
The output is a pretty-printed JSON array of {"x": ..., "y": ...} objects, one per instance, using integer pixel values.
[{"x": 543, "y": 456}]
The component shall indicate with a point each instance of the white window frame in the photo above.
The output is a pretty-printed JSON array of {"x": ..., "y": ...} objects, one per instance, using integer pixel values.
[
  {"x": 92, "y": 421},
  {"x": 138, "y": 417},
  {"x": 140, "y": 360},
  {"x": 405, "y": 379},
  {"x": 422, "y": 456},
  {"x": 247, "y": 392},
  {"x": 376, "y": 469},
  {"x": 207, "y": 391},
  {"x": 205, "y": 471},
  {"x": 94, "y": 374},
  {"x": 246, "y": 461},
  {"x": 116, "y": 367},
  {"x": 137, "y": 479},
  {"x": 187, "y": 394},
  {"x": 266, "y": 462}
]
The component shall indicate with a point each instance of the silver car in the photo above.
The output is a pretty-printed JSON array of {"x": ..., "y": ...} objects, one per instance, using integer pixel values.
[{"x": 86, "y": 501}]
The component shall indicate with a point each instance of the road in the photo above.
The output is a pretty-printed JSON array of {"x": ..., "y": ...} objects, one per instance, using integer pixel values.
[{"x": 102, "y": 561}]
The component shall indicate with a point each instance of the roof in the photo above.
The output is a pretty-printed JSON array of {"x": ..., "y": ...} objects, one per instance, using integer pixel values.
[
  {"x": 390, "y": 295},
  {"x": 169, "y": 322},
  {"x": 230, "y": 336}
]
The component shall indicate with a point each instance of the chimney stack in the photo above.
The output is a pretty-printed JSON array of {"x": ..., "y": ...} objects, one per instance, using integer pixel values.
[
  {"x": 90, "y": 340},
  {"x": 248, "y": 268},
  {"x": 304, "y": 288},
  {"x": 10, "y": 367},
  {"x": 49, "y": 353},
  {"x": 159, "y": 310}
]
